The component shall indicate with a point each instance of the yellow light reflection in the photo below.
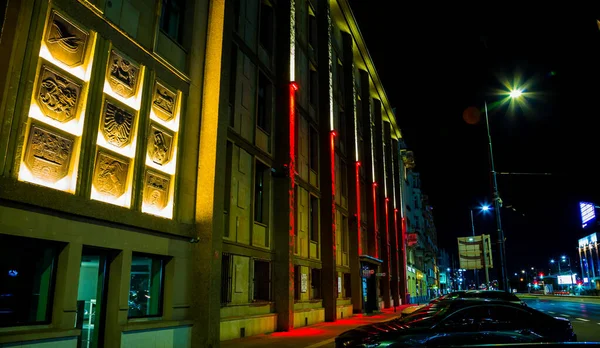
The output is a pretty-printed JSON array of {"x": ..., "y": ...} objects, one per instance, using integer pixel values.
[
  {"x": 82, "y": 72},
  {"x": 123, "y": 201},
  {"x": 167, "y": 211},
  {"x": 133, "y": 102}
]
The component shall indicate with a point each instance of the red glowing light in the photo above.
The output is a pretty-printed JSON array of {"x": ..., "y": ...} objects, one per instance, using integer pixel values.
[
  {"x": 358, "y": 207},
  {"x": 333, "y": 207},
  {"x": 375, "y": 229},
  {"x": 294, "y": 86},
  {"x": 292, "y": 178},
  {"x": 387, "y": 235}
]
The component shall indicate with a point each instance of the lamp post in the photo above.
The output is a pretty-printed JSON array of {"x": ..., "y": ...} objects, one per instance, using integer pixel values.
[{"x": 503, "y": 284}]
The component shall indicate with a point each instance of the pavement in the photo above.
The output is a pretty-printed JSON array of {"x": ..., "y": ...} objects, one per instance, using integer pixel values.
[
  {"x": 313, "y": 336},
  {"x": 584, "y": 313}
]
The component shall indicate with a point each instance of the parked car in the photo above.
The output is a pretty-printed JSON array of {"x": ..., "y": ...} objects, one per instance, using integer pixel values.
[{"x": 461, "y": 322}]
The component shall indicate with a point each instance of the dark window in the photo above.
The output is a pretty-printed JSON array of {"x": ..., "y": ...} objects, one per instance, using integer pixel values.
[
  {"x": 313, "y": 139},
  {"x": 266, "y": 26},
  {"x": 344, "y": 236},
  {"x": 315, "y": 283},
  {"x": 146, "y": 286},
  {"x": 261, "y": 182},
  {"x": 27, "y": 271},
  {"x": 312, "y": 31},
  {"x": 171, "y": 19},
  {"x": 232, "y": 85},
  {"x": 226, "y": 278},
  {"x": 342, "y": 131},
  {"x": 262, "y": 280},
  {"x": 347, "y": 285},
  {"x": 340, "y": 81},
  {"x": 313, "y": 86},
  {"x": 297, "y": 280},
  {"x": 344, "y": 178},
  {"x": 314, "y": 218},
  {"x": 236, "y": 15},
  {"x": 227, "y": 198},
  {"x": 263, "y": 117}
]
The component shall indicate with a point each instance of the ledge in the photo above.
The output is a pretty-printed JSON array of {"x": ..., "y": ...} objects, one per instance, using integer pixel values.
[
  {"x": 154, "y": 324},
  {"x": 44, "y": 197},
  {"x": 244, "y": 317},
  {"x": 37, "y": 334}
]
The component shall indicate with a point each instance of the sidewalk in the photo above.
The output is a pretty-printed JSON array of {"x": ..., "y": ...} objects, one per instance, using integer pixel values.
[{"x": 313, "y": 336}]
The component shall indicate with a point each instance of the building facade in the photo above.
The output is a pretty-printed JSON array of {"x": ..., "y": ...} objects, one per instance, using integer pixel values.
[
  {"x": 107, "y": 128},
  {"x": 312, "y": 225}
]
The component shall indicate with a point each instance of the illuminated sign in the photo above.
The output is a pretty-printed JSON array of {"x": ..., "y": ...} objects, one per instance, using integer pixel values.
[
  {"x": 591, "y": 239},
  {"x": 588, "y": 212}
]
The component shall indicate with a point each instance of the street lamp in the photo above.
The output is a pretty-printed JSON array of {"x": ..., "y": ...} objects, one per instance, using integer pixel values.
[{"x": 516, "y": 93}]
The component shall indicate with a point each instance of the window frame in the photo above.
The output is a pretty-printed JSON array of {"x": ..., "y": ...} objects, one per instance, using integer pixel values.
[{"x": 163, "y": 260}]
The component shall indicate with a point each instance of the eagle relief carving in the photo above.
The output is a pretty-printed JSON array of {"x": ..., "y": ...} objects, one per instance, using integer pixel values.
[{"x": 117, "y": 124}]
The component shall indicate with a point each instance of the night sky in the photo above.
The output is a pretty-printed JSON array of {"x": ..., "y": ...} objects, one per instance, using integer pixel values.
[{"x": 437, "y": 61}]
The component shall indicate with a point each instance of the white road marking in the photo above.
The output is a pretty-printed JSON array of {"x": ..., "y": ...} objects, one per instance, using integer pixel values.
[{"x": 582, "y": 319}]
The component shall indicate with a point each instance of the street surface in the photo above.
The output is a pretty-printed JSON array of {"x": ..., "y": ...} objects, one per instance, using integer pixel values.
[{"x": 585, "y": 316}]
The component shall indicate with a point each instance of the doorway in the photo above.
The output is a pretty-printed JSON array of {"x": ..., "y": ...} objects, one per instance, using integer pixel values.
[{"x": 91, "y": 297}]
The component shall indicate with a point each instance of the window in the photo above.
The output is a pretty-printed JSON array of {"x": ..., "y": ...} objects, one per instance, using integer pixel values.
[
  {"x": 315, "y": 283},
  {"x": 264, "y": 104},
  {"x": 226, "y": 278},
  {"x": 27, "y": 271},
  {"x": 344, "y": 236},
  {"x": 347, "y": 285},
  {"x": 313, "y": 86},
  {"x": 227, "y": 198},
  {"x": 171, "y": 19},
  {"x": 266, "y": 26},
  {"x": 146, "y": 286},
  {"x": 262, "y": 280},
  {"x": 261, "y": 201},
  {"x": 314, "y": 219},
  {"x": 312, "y": 30},
  {"x": 340, "y": 81},
  {"x": 344, "y": 178},
  {"x": 232, "y": 85},
  {"x": 313, "y": 140},
  {"x": 297, "y": 280},
  {"x": 342, "y": 131}
]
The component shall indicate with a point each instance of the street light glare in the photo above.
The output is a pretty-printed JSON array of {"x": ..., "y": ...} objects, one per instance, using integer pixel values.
[
  {"x": 516, "y": 93},
  {"x": 485, "y": 207}
]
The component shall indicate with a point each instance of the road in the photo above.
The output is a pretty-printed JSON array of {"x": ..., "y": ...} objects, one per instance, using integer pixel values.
[{"x": 585, "y": 317}]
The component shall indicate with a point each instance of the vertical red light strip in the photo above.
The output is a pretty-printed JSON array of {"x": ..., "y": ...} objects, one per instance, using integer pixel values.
[
  {"x": 292, "y": 178},
  {"x": 332, "y": 136},
  {"x": 403, "y": 247},
  {"x": 397, "y": 253},
  {"x": 387, "y": 235},
  {"x": 375, "y": 229},
  {"x": 358, "y": 207}
]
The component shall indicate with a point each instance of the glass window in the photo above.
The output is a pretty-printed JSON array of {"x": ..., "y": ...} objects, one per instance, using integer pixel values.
[
  {"x": 315, "y": 284},
  {"x": 27, "y": 271},
  {"x": 261, "y": 202},
  {"x": 262, "y": 280},
  {"x": 171, "y": 19},
  {"x": 264, "y": 103},
  {"x": 146, "y": 286},
  {"x": 314, "y": 218},
  {"x": 266, "y": 26},
  {"x": 314, "y": 150},
  {"x": 226, "y": 278}
]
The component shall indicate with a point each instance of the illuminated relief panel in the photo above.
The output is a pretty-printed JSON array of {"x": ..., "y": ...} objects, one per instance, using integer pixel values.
[
  {"x": 117, "y": 131},
  {"x": 161, "y": 152},
  {"x": 57, "y": 110}
]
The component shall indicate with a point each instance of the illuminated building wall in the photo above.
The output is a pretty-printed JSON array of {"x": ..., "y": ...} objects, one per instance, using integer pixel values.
[{"x": 100, "y": 146}]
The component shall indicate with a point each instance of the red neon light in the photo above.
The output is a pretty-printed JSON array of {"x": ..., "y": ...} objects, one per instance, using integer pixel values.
[
  {"x": 387, "y": 235},
  {"x": 403, "y": 245},
  {"x": 358, "y": 207},
  {"x": 375, "y": 229},
  {"x": 292, "y": 178},
  {"x": 333, "y": 208}
]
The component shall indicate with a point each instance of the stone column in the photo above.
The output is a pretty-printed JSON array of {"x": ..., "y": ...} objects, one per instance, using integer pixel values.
[{"x": 391, "y": 223}]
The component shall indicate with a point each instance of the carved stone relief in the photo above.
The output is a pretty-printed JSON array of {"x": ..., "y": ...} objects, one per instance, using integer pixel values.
[
  {"x": 122, "y": 75},
  {"x": 117, "y": 124},
  {"x": 66, "y": 42},
  {"x": 48, "y": 154},
  {"x": 110, "y": 174},
  {"x": 163, "y": 102},
  {"x": 156, "y": 189},
  {"x": 160, "y": 145},
  {"x": 57, "y": 95}
]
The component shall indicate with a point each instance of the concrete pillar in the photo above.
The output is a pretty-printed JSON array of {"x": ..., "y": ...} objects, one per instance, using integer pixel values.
[
  {"x": 367, "y": 164},
  {"x": 327, "y": 166},
  {"x": 205, "y": 88},
  {"x": 117, "y": 305},
  {"x": 353, "y": 201},
  {"x": 381, "y": 201},
  {"x": 401, "y": 252},
  {"x": 64, "y": 310},
  {"x": 390, "y": 224},
  {"x": 284, "y": 194}
]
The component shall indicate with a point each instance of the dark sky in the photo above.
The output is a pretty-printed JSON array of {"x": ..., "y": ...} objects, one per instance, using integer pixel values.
[{"x": 437, "y": 61}]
